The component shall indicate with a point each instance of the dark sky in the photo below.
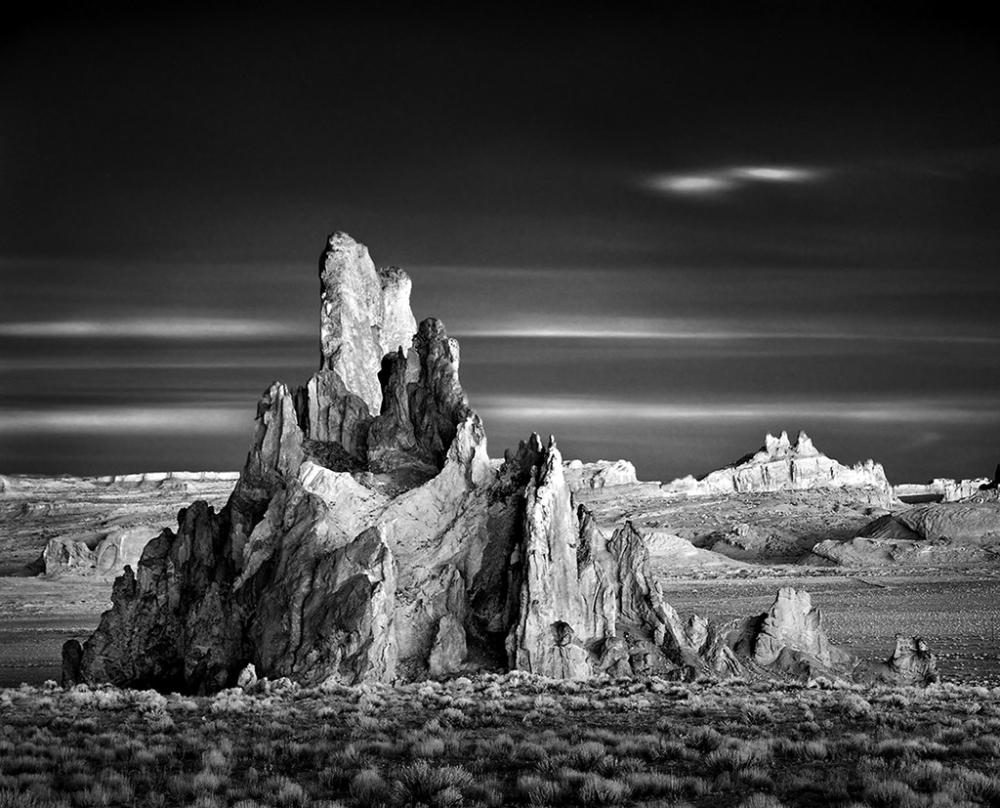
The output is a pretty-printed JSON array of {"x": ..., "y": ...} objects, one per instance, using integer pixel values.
[{"x": 656, "y": 238}]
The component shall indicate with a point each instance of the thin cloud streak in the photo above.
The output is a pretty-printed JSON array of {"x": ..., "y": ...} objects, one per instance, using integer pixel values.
[
  {"x": 715, "y": 181},
  {"x": 164, "y": 328},
  {"x": 128, "y": 420},
  {"x": 646, "y": 328},
  {"x": 568, "y": 408}
]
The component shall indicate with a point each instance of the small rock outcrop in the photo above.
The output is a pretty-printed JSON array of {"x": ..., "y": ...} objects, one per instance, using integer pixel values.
[
  {"x": 911, "y": 663},
  {"x": 789, "y": 638},
  {"x": 780, "y": 465}
]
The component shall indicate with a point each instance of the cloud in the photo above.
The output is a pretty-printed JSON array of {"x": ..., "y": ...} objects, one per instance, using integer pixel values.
[
  {"x": 165, "y": 328},
  {"x": 193, "y": 419},
  {"x": 579, "y": 409},
  {"x": 716, "y": 181},
  {"x": 690, "y": 329}
]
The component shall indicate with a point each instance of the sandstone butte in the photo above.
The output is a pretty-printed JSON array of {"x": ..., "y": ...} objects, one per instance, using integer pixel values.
[{"x": 370, "y": 538}]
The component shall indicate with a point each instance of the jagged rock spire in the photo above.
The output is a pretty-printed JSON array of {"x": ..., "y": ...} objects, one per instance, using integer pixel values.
[{"x": 365, "y": 314}]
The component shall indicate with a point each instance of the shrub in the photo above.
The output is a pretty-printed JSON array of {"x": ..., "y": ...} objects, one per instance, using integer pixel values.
[
  {"x": 596, "y": 790},
  {"x": 368, "y": 788}
]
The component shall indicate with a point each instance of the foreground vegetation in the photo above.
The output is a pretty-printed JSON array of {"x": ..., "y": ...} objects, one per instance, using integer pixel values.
[{"x": 503, "y": 740}]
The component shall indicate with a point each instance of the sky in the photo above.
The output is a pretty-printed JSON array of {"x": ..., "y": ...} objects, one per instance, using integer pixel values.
[{"x": 655, "y": 238}]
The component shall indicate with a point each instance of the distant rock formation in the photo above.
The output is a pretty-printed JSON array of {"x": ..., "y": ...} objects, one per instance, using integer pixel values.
[
  {"x": 782, "y": 466},
  {"x": 369, "y": 538},
  {"x": 602, "y": 474},
  {"x": 946, "y": 490},
  {"x": 938, "y": 534},
  {"x": 168, "y": 477},
  {"x": 120, "y": 548}
]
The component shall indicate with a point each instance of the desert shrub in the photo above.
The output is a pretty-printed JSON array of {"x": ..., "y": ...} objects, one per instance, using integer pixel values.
[
  {"x": 432, "y": 747},
  {"x": 760, "y": 800},
  {"x": 729, "y": 759},
  {"x": 286, "y": 792},
  {"x": 487, "y": 792},
  {"x": 597, "y": 790},
  {"x": 704, "y": 739},
  {"x": 648, "y": 785},
  {"x": 368, "y": 788},
  {"x": 613, "y": 766},
  {"x": 538, "y": 791},
  {"x": 855, "y": 706},
  {"x": 891, "y": 793},
  {"x": 587, "y": 754},
  {"x": 420, "y": 783},
  {"x": 755, "y": 714}
]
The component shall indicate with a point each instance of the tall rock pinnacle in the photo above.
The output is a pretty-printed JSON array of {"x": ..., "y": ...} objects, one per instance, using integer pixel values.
[{"x": 365, "y": 315}]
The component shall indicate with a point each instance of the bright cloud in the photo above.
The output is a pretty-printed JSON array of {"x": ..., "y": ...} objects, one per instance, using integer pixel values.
[
  {"x": 727, "y": 179},
  {"x": 192, "y": 419},
  {"x": 166, "y": 328},
  {"x": 577, "y": 409}
]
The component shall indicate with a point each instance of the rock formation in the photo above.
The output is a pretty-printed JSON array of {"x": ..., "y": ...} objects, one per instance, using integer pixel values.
[
  {"x": 370, "y": 538},
  {"x": 120, "y": 548},
  {"x": 602, "y": 474},
  {"x": 789, "y": 638},
  {"x": 940, "y": 488},
  {"x": 911, "y": 663},
  {"x": 938, "y": 534},
  {"x": 782, "y": 466}
]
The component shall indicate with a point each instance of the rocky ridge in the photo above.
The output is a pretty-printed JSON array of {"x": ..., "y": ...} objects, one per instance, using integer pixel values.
[
  {"x": 780, "y": 465},
  {"x": 370, "y": 538}
]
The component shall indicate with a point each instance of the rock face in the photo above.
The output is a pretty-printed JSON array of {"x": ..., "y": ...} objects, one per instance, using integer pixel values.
[
  {"x": 782, "y": 466},
  {"x": 370, "y": 538}
]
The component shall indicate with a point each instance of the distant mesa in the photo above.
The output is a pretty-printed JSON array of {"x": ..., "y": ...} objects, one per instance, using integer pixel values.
[
  {"x": 783, "y": 466},
  {"x": 369, "y": 538}
]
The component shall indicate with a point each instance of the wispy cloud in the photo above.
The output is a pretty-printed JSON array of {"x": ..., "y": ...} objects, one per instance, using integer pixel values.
[
  {"x": 184, "y": 419},
  {"x": 164, "y": 328},
  {"x": 719, "y": 180},
  {"x": 578, "y": 409},
  {"x": 546, "y": 326}
]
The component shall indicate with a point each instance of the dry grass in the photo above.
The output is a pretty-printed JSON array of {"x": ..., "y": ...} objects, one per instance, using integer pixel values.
[{"x": 447, "y": 745}]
